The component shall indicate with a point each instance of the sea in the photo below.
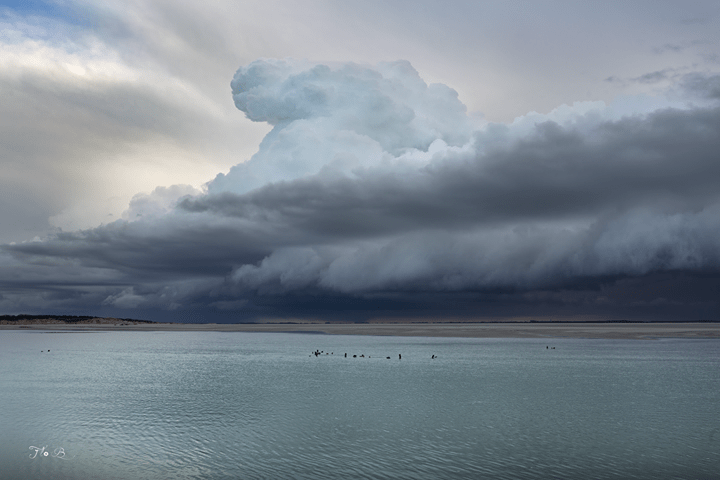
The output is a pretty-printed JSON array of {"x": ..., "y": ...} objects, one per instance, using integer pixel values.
[{"x": 238, "y": 405}]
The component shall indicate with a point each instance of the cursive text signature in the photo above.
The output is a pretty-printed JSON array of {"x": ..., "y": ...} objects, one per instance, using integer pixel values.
[{"x": 57, "y": 453}]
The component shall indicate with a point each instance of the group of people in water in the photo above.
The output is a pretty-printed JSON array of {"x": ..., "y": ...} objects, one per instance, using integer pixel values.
[{"x": 317, "y": 353}]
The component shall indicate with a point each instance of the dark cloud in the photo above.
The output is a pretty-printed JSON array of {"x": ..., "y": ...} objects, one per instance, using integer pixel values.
[
  {"x": 706, "y": 86},
  {"x": 654, "y": 77},
  {"x": 669, "y": 47},
  {"x": 582, "y": 216},
  {"x": 554, "y": 173}
]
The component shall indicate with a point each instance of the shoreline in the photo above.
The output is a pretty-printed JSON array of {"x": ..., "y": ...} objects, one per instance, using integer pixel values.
[{"x": 627, "y": 331}]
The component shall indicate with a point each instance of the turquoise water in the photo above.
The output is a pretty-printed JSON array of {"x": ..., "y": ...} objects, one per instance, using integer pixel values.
[{"x": 127, "y": 405}]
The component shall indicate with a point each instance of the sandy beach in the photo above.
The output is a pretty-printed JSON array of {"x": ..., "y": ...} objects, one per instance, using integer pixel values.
[{"x": 465, "y": 330}]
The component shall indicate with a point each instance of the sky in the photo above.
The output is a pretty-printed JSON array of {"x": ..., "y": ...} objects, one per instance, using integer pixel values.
[{"x": 360, "y": 161}]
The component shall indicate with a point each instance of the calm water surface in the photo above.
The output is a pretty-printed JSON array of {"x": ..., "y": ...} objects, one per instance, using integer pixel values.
[{"x": 127, "y": 405}]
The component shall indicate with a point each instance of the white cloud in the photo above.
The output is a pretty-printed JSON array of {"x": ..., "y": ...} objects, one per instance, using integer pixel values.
[{"x": 345, "y": 117}]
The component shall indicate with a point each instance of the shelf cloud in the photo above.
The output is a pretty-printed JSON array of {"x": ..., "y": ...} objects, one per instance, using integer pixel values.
[{"x": 375, "y": 196}]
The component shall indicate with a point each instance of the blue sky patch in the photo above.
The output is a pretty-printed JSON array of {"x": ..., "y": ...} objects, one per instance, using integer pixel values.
[{"x": 57, "y": 10}]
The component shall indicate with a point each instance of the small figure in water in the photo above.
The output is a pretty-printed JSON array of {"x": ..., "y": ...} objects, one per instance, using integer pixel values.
[
  {"x": 346, "y": 355},
  {"x": 400, "y": 356},
  {"x": 388, "y": 358},
  {"x": 433, "y": 357}
]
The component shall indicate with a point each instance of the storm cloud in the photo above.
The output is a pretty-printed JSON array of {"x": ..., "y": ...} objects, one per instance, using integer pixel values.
[{"x": 374, "y": 197}]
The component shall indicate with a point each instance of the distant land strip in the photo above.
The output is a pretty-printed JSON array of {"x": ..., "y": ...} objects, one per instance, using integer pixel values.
[
  {"x": 522, "y": 329},
  {"x": 28, "y": 319},
  {"x": 25, "y": 319}
]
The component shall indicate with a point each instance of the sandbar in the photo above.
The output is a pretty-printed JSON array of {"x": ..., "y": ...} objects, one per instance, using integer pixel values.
[{"x": 706, "y": 330}]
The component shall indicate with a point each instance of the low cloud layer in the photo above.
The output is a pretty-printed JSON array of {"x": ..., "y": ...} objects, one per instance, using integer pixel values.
[{"x": 374, "y": 197}]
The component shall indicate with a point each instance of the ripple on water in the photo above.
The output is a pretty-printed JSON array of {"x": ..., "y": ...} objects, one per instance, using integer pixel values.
[{"x": 256, "y": 406}]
